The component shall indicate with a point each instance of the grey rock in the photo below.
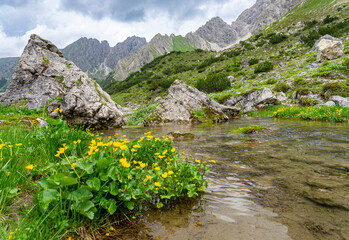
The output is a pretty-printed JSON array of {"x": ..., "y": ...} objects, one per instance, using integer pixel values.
[
  {"x": 244, "y": 62},
  {"x": 281, "y": 97},
  {"x": 231, "y": 79},
  {"x": 341, "y": 101},
  {"x": 328, "y": 104},
  {"x": 157, "y": 99},
  {"x": 180, "y": 104},
  {"x": 328, "y": 48},
  {"x": 253, "y": 100},
  {"x": 282, "y": 64},
  {"x": 43, "y": 75}
]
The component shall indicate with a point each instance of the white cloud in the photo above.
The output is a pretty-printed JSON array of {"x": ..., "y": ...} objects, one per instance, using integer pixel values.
[{"x": 63, "y": 27}]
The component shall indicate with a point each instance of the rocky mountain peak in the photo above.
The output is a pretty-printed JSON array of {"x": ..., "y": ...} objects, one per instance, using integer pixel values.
[{"x": 43, "y": 77}]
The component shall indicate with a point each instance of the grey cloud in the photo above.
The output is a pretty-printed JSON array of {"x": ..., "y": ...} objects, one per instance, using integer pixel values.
[{"x": 135, "y": 10}]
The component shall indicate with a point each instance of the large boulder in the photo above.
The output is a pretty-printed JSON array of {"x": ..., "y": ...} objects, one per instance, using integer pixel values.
[
  {"x": 341, "y": 101},
  {"x": 186, "y": 104},
  {"x": 43, "y": 77},
  {"x": 328, "y": 48},
  {"x": 253, "y": 101}
]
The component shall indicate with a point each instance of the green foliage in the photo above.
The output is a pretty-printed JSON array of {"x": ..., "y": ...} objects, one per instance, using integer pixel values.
[
  {"x": 138, "y": 116},
  {"x": 346, "y": 47},
  {"x": 232, "y": 53},
  {"x": 264, "y": 67},
  {"x": 310, "y": 38},
  {"x": 309, "y": 24},
  {"x": 303, "y": 91},
  {"x": 181, "y": 44},
  {"x": 311, "y": 59},
  {"x": 323, "y": 113},
  {"x": 329, "y": 19},
  {"x": 166, "y": 82},
  {"x": 277, "y": 38},
  {"x": 131, "y": 80},
  {"x": 250, "y": 129},
  {"x": 306, "y": 101},
  {"x": 214, "y": 82},
  {"x": 281, "y": 87},
  {"x": 271, "y": 81},
  {"x": 247, "y": 46},
  {"x": 118, "y": 175},
  {"x": 260, "y": 43},
  {"x": 346, "y": 63},
  {"x": 253, "y": 61},
  {"x": 207, "y": 62},
  {"x": 298, "y": 81}
]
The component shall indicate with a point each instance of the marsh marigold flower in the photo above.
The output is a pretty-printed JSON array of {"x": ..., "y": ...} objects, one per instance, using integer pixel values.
[
  {"x": 157, "y": 184},
  {"x": 30, "y": 167}
]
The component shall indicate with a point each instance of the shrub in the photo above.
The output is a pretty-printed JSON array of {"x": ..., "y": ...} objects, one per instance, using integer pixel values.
[
  {"x": 166, "y": 82},
  {"x": 271, "y": 81},
  {"x": 253, "y": 61},
  {"x": 214, "y": 82},
  {"x": 167, "y": 71},
  {"x": 260, "y": 43},
  {"x": 310, "y": 24},
  {"x": 264, "y": 67},
  {"x": 207, "y": 62},
  {"x": 346, "y": 63},
  {"x": 277, "y": 38},
  {"x": 303, "y": 91},
  {"x": 306, "y": 101},
  {"x": 281, "y": 87},
  {"x": 299, "y": 81},
  {"x": 311, "y": 38},
  {"x": 329, "y": 19},
  {"x": 332, "y": 86},
  {"x": 138, "y": 116}
]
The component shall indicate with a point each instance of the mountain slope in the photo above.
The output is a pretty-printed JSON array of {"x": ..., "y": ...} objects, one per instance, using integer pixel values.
[
  {"x": 7, "y": 66},
  {"x": 157, "y": 46},
  {"x": 217, "y": 34}
]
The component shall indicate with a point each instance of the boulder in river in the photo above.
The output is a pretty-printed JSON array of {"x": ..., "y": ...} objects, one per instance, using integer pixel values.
[
  {"x": 254, "y": 100},
  {"x": 43, "y": 77},
  {"x": 186, "y": 104},
  {"x": 328, "y": 48}
]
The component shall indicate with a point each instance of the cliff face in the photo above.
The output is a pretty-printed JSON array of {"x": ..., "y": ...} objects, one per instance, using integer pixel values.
[
  {"x": 98, "y": 58},
  {"x": 217, "y": 34}
]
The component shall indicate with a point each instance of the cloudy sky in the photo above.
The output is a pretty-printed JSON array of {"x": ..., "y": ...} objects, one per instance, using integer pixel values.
[{"x": 65, "y": 21}]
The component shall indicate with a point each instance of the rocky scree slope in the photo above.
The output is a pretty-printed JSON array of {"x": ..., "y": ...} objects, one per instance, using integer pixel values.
[{"x": 44, "y": 78}]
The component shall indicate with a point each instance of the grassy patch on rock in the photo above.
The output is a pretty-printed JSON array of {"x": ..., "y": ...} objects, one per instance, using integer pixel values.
[{"x": 250, "y": 129}]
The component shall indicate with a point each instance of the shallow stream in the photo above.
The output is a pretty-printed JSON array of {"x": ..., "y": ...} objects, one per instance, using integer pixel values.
[{"x": 288, "y": 183}]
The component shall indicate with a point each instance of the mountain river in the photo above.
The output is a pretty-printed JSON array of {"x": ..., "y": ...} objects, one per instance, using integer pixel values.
[{"x": 291, "y": 182}]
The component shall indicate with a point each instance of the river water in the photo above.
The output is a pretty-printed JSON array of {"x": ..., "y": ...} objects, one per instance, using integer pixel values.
[{"x": 291, "y": 182}]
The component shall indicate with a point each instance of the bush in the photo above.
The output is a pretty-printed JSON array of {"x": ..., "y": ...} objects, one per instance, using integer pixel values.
[
  {"x": 271, "y": 81},
  {"x": 264, "y": 67},
  {"x": 167, "y": 71},
  {"x": 329, "y": 19},
  {"x": 207, "y": 62},
  {"x": 299, "y": 81},
  {"x": 346, "y": 63},
  {"x": 306, "y": 101},
  {"x": 281, "y": 87},
  {"x": 303, "y": 91},
  {"x": 166, "y": 82},
  {"x": 332, "y": 86},
  {"x": 214, "y": 82},
  {"x": 253, "y": 61},
  {"x": 308, "y": 25},
  {"x": 277, "y": 38},
  {"x": 260, "y": 43},
  {"x": 311, "y": 38}
]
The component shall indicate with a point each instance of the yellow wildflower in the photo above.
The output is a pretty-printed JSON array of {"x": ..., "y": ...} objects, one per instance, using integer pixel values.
[
  {"x": 170, "y": 172},
  {"x": 133, "y": 150},
  {"x": 213, "y": 161},
  {"x": 164, "y": 175},
  {"x": 8, "y": 174},
  {"x": 123, "y": 147},
  {"x": 157, "y": 168},
  {"x": 197, "y": 160},
  {"x": 142, "y": 165},
  {"x": 30, "y": 167},
  {"x": 73, "y": 165},
  {"x": 10, "y": 146},
  {"x": 164, "y": 152},
  {"x": 107, "y": 234},
  {"x": 173, "y": 149},
  {"x": 157, "y": 184},
  {"x": 161, "y": 156},
  {"x": 111, "y": 229},
  {"x": 19, "y": 144},
  {"x": 148, "y": 177},
  {"x": 134, "y": 197}
]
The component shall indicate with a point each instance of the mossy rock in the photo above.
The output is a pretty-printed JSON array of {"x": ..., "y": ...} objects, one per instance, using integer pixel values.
[{"x": 250, "y": 129}]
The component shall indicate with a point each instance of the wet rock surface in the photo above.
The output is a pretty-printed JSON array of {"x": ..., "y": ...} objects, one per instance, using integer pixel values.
[
  {"x": 183, "y": 105},
  {"x": 43, "y": 77}
]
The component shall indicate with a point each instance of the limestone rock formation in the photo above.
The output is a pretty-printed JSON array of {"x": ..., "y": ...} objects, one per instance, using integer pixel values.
[
  {"x": 183, "y": 102},
  {"x": 254, "y": 100},
  {"x": 341, "y": 101},
  {"x": 328, "y": 48},
  {"x": 43, "y": 77}
]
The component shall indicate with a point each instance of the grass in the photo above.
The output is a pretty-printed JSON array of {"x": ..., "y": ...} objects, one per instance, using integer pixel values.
[
  {"x": 322, "y": 113},
  {"x": 250, "y": 129},
  {"x": 138, "y": 116}
]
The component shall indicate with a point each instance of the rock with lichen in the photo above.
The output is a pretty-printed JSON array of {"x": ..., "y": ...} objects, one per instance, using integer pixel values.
[{"x": 44, "y": 78}]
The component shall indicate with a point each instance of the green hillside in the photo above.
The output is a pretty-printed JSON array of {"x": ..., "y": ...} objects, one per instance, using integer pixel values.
[{"x": 287, "y": 42}]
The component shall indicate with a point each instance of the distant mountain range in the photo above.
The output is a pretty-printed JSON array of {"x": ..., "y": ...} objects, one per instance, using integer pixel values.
[{"x": 108, "y": 64}]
